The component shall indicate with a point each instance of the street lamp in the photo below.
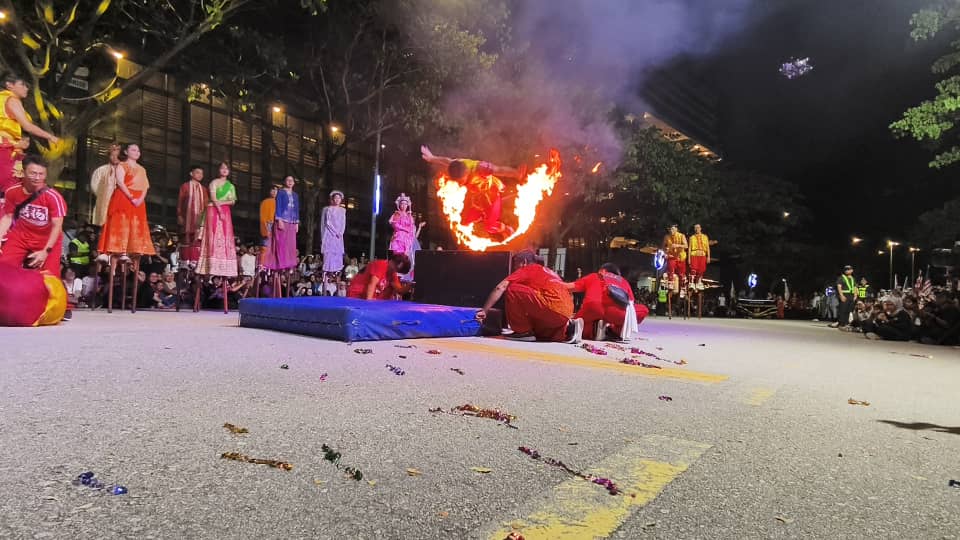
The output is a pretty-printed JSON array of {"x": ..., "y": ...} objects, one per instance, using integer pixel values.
[
  {"x": 890, "y": 245},
  {"x": 334, "y": 129},
  {"x": 856, "y": 240},
  {"x": 3, "y": 16},
  {"x": 913, "y": 261}
]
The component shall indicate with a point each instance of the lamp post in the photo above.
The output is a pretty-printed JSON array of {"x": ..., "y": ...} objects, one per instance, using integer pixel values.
[
  {"x": 890, "y": 245},
  {"x": 913, "y": 262}
]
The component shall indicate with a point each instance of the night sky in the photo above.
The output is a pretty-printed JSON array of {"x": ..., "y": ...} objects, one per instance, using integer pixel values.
[{"x": 828, "y": 130}]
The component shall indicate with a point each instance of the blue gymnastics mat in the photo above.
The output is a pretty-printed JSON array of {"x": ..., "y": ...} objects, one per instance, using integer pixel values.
[{"x": 350, "y": 319}]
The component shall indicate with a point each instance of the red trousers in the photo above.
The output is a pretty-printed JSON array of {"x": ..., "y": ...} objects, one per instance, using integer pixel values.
[
  {"x": 676, "y": 266},
  {"x": 9, "y": 161},
  {"x": 612, "y": 314},
  {"x": 477, "y": 210},
  {"x": 16, "y": 249},
  {"x": 526, "y": 312},
  {"x": 698, "y": 265}
]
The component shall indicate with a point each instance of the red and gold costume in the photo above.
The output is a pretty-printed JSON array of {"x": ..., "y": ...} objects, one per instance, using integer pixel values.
[
  {"x": 597, "y": 304},
  {"x": 30, "y": 298},
  {"x": 11, "y": 170},
  {"x": 388, "y": 284},
  {"x": 126, "y": 229},
  {"x": 191, "y": 205},
  {"x": 699, "y": 255},
  {"x": 32, "y": 227},
  {"x": 675, "y": 244},
  {"x": 538, "y": 302},
  {"x": 484, "y": 199}
]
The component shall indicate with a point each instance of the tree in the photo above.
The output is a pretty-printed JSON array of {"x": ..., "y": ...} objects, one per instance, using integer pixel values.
[
  {"x": 939, "y": 227},
  {"x": 50, "y": 47},
  {"x": 935, "y": 120}
]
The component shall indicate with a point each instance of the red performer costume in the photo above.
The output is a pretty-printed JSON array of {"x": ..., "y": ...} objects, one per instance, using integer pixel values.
[
  {"x": 598, "y": 304},
  {"x": 484, "y": 199},
  {"x": 191, "y": 205},
  {"x": 380, "y": 280},
  {"x": 675, "y": 244},
  {"x": 34, "y": 237},
  {"x": 699, "y": 254},
  {"x": 30, "y": 298},
  {"x": 537, "y": 303}
]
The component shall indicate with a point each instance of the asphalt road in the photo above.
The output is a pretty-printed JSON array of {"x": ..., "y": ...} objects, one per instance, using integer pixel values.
[{"x": 758, "y": 441}]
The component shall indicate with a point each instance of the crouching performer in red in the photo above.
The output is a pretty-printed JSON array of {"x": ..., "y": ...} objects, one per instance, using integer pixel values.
[
  {"x": 380, "y": 280},
  {"x": 607, "y": 303},
  {"x": 537, "y": 303}
]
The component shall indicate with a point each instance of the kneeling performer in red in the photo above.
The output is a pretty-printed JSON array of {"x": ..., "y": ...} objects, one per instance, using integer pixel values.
[
  {"x": 380, "y": 280},
  {"x": 537, "y": 302},
  {"x": 607, "y": 296}
]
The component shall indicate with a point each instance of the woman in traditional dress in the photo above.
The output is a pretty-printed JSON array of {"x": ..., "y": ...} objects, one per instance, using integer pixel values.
[
  {"x": 286, "y": 223},
  {"x": 218, "y": 252},
  {"x": 126, "y": 231},
  {"x": 404, "y": 228},
  {"x": 333, "y": 222}
]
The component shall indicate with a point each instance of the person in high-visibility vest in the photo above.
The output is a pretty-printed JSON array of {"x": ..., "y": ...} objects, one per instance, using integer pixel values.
[
  {"x": 78, "y": 253},
  {"x": 863, "y": 289},
  {"x": 847, "y": 291},
  {"x": 14, "y": 120}
]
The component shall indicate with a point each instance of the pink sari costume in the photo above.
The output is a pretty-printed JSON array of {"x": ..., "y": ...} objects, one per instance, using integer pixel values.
[
  {"x": 333, "y": 222},
  {"x": 282, "y": 254},
  {"x": 404, "y": 231},
  {"x": 218, "y": 250}
]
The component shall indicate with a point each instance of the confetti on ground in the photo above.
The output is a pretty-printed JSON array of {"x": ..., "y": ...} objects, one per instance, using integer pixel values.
[
  {"x": 514, "y": 536},
  {"x": 632, "y": 362},
  {"x": 401, "y": 356},
  {"x": 481, "y": 470},
  {"x": 915, "y": 355},
  {"x": 607, "y": 484},
  {"x": 236, "y": 429},
  {"x": 615, "y": 347},
  {"x": 858, "y": 402},
  {"x": 89, "y": 479},
  {"x": 395, "y": 370},
  {"x": 952, "y": 483},
  {"x": 796, "y": 67},
  {"x": 594, "y": 350},
  {"x": 323, "y": 377},
  {"x": 443, "y": 514},
  {"x": 457, "y": 370},
  {"x": 473, "y": 410},
  {"x": 333, "y": 456},
  {"x": 413, "y": 472},
  {"x": 371, "y": 483},
  {"x": 363, "y": 351},
  {"x": 236, "y": 456},
  {"x": 665, "y": 398},
  {"x": 284, "y": 366},
  {"x": 702, "y": 345},
  {"x": 433, "y": 351},
  {"x": 405, "y": 346},
  {"x": 782, "y": 519}
]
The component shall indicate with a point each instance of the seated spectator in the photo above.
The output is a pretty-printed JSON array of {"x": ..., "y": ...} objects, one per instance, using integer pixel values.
[
  {"x": 602, "y": 314},
  {"x": 351, "y": 270},
  {"x": 89, "y": 287},
  {"x": 248, "y": 261},
  {"x": 937, "y": 318},
  {"x": 168, "y": 290},
  {"x": 380, "y": 280},
  {"x": 303, "y": 287},
  {"x": 892, "y": 323},
  {"x": 537, "y": 303},
  {"x": 74, "y": 287},
  {"x": 147, "y": 296}
]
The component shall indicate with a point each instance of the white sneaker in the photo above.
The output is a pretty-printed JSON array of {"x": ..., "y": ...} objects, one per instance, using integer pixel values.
[{"x": 577, "y": 334}]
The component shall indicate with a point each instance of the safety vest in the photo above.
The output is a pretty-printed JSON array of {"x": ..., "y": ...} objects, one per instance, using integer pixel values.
[
  {"x": 83, "y": 252},
  {"x": 662, "y": 295},
  {"x": 851, "y": 285},
  {"x": 10, "y": 130},
  {"x": 862, "y": 291}
]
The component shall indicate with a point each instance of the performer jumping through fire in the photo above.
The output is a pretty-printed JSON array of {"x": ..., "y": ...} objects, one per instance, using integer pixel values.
[{"x": 484, "y": 200}]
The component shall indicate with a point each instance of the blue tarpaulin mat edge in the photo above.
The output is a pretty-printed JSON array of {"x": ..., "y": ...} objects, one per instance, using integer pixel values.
[{"x": 350, "y": 319}]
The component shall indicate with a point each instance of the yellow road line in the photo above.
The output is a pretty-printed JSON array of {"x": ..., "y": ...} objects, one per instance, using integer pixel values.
[
  {"x": 611, "y": 364},
  {"x": 759, "y": 396},
  {"x": 579, "y": 510}
]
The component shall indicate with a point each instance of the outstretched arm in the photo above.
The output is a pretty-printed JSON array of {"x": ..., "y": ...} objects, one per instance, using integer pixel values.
[
  {"x": 20, "y": 115},
  {"x": 428, "y": 156},
  {"x": 492, "y": 299},
  {"x": 505, "y": 172}
]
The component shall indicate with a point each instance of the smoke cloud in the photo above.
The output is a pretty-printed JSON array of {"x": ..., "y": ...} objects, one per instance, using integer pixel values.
[{"x": 568, "y": 62}]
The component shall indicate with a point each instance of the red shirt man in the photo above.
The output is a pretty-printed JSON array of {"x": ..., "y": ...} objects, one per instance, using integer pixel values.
[
  {"x": 598, "y": 304},
  {"x": 32, "y": 238},
  {"x": 380, "y": 280},
  {"x": 537, "y": 303}
]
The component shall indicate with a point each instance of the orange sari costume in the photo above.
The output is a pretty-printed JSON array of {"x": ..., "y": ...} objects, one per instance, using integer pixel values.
[{"x": 127, "y": 229}]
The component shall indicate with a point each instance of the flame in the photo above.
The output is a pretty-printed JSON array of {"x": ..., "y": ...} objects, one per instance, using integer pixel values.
[
  {"x": 529, "y": 194},
  {"x": 596, "y": 167}
]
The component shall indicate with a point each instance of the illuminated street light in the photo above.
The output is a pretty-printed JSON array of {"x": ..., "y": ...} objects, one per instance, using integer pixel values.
[
  {"x": 3, "y": 15},
  {"x": 334, "y": 129},
  {"x": 890, "y": 245},
  {"x": 880, "y": 252},
  {"x": 913, "y": 262},
  {"x": 856, "y": 240},
  {"x": 277, "y": 109},
  {"x": 786, "y": 215},
  {"x": 117, "y": 54}
]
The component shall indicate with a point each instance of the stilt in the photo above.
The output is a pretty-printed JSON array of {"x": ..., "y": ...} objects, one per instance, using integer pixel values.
[
  {"x": 113, "y": 272},
  {"x": 136, "y": 283},
  {"x": 198, "y": 285},
  {"x": 226, "y": 308},
  {"x": 123, "y": 285}
]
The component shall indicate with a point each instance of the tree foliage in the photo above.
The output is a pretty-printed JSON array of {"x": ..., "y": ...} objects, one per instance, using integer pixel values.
[{"x": 934, "y": 120}]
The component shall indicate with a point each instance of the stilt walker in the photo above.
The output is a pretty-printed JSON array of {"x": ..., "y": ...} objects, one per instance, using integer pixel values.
[
  {"x": 675, "y": 244},
  {"x": 191, "y": 205},
  {"x": 282, "y": 255},
  {"x": 218, "y": 251},
  {"x": 333, "y": 223}
]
